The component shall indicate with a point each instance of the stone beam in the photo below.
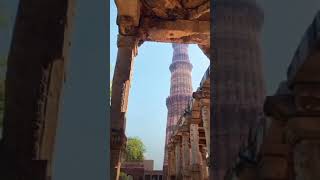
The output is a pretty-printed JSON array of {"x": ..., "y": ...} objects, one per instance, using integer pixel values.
[
  {"x": 200, "y": 10},
  {"x": 306, "y": 61},
  {"x": 178, "y": 31}
]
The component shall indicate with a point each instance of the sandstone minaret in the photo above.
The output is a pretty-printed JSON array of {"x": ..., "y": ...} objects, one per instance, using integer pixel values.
[
  {"x": 238, "y": 85},
  {"x": 180, "y": 89}
]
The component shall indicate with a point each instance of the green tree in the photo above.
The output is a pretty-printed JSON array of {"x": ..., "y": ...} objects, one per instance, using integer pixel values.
[
  {"x": 123, "y": 176},
  {"x": 134, "y": 150}
]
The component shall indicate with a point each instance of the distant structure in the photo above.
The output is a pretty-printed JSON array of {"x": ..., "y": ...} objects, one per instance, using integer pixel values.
[
  {"x": 141, "y": 170},
  {"x": 180, "y": 90},
  {"x": 238, "y": 81}
]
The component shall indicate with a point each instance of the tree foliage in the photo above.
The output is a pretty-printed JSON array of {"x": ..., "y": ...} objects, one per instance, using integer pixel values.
[
  {"x": 134, "y": 150},
  {"x": 123, "y": 176}
]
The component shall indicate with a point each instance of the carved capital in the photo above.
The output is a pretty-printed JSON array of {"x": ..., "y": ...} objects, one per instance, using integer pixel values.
[
  {"x": 201, "y": 94},
  {"x": 128, "y": 42},
  {"x": 118, "y": 139}
]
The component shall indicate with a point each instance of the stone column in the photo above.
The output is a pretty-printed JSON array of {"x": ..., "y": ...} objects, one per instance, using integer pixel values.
[
  {"x": 205, "y": 114},
  {"x": 127, "y": 50},
  {"x": 185, "y": 155},
  {"x": 34, "y": 80},
  {"x": 304, "y": 136},
  {"x": 194, "y": 141},
  {"x": 274, "y": 153},
  {"x": 171, "y": 162},
  {"x": 204, "y": 167},
  {"x": 178, "y": 157},
  {"x": 238, "y": 79}
]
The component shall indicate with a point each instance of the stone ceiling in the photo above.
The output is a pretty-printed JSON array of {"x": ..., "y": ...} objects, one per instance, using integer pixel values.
[{"x": 171, "y": 21}]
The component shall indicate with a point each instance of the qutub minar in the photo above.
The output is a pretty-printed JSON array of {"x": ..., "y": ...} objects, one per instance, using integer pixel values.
[{"x": 180, "y": 90}]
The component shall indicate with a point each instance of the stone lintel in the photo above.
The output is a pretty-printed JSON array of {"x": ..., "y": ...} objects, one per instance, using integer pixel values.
[{"x": 175, "y": 31}]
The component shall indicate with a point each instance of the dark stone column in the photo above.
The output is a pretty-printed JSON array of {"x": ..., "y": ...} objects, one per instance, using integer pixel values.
[
  {"x": 35, "y": 75},
  {"x": 237, "y": 80}
]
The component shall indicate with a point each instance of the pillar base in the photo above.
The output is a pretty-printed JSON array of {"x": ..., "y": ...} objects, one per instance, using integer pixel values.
[{"x": 195, "y": 172}]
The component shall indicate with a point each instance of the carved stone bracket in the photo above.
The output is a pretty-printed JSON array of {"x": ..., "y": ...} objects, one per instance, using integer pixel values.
[
  {"x": 128, "y": 42},
  {"x": 118, "y": 139},
  {"x": 201, "y": 94},
  {"x": 128, "y": 16}
]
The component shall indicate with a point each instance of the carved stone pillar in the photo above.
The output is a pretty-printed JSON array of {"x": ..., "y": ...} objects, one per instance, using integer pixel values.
[
  {"x": 171, "y": 162},
  {"x": 178, "y": 157},
  {"x": 304, "y": 135},
  {"x": 204, "y": 166},
  {"x": 194, "y": 141},
  {"x": 185, "y": 155},
  {"x": 127, "y": 50},
  {"x": 205, "y": 114}
]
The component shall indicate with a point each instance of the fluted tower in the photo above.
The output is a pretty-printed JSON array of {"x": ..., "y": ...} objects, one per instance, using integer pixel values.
[
  {"x": 238, "y": 83},
  {"x": 180, "y": 89}
]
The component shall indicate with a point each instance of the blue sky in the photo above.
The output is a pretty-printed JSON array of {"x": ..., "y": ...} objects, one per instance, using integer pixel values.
[{"x": 147, "y": 112}]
